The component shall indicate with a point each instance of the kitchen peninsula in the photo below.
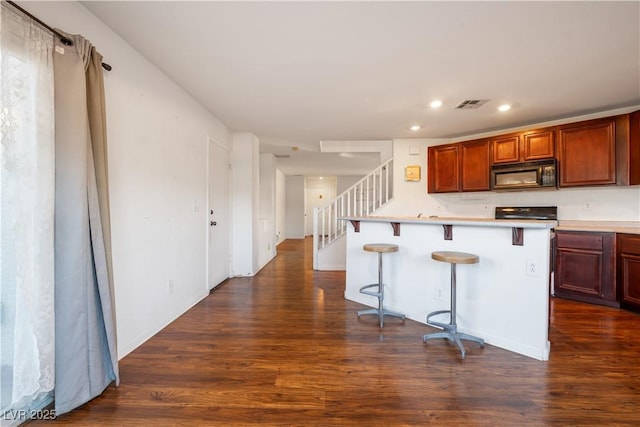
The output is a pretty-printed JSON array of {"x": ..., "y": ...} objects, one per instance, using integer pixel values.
[{"x": 503, "y": 299}]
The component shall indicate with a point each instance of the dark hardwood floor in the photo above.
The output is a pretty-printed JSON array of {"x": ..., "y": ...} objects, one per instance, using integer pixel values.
[{"x": 285, "y": 348}]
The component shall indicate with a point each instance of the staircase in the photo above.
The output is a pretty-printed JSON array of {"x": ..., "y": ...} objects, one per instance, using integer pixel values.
[{"x": 361, "y": 199}]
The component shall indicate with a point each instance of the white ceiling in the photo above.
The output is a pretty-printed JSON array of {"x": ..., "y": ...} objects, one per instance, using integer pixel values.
[{"x": 295, "y": 73}]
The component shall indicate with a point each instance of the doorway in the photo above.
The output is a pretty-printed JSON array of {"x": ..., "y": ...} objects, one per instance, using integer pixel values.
[
  {"x": 218, "y": 226},
  {"x": 319, "y": 192}
]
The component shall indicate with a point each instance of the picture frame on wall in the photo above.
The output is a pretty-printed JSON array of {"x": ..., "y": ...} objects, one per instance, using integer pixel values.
[{"x": 412, "y": 173}]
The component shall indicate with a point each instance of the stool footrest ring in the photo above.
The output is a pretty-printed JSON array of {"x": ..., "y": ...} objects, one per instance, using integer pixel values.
[
  {"x": 365, "y": 290},
  {"x": 440, "y": 324}
]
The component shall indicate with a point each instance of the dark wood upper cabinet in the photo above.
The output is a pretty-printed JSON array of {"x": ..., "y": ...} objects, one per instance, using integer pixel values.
[
  {"x": 633, "y": 151},
  {"x": 474, "y": 165},
  {"x": 587, "y": 153},
  {"x": 628, "y": 149},
  {"x": 443, "y": 175},
  {"x": 538, "y": 145},
  {"x": 523, "y": 147},
  {"x": 459, "y": 167},
  {"x": 594, "y": 152},
  {"x": 505, "y": 149}
]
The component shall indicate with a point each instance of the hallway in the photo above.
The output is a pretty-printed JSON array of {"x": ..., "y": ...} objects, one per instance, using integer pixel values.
[{"x": 285, "y": 348}]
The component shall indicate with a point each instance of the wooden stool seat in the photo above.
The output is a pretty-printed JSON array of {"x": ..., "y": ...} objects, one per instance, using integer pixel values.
[
  {"x": 450, "y": 329},
  {"x": 380, "y": 247},
  {"x": 455, "y": 257}
]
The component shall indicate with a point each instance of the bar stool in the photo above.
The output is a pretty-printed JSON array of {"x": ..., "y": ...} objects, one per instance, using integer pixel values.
[
  {"x": 377, "y": 289},
  {"x": 451, "y": 329}
]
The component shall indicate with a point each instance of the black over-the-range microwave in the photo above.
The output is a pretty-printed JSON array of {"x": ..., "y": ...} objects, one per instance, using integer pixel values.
[{"x": 525, "y": 176}]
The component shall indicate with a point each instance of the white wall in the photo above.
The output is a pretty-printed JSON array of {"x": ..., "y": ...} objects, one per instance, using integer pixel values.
[
  {"x": 267, "y": 209},
  {"x": 383, "y": 147},
  {"x": 245, "y": 186},
  {"x": 294, "y": 207},
  {"x": 281, "y": 188},
  {"x": 157, "y": 176},
  {"x": 346, "y": 181},
  {"x": 603, "y": 203}
]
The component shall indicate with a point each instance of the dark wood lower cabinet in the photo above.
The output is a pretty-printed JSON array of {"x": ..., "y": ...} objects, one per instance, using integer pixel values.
[
  {"x": 585, "y": 267},
  {"x": 629, "y": 271}
]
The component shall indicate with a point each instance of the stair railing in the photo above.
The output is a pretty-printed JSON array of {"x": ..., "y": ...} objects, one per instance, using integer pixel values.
[{"x": 361, "y": 199}]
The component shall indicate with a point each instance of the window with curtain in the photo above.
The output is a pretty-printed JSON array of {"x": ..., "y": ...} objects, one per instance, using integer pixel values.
[{"x": 26, "y": 216}]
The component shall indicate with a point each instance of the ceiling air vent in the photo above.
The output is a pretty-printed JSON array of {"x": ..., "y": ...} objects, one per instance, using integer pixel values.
[{"x": 471, "y": 104}]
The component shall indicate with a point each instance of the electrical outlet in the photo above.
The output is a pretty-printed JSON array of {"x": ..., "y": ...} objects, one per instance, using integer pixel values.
[
  {"x": 587, "y": 206},
  {"x": 532, "y": 267},
  {"x": 170, "y": 286},
  {"x": 438, "y": 293}
]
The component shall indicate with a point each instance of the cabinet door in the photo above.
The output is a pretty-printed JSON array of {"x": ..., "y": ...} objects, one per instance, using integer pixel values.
[
  {"x": 579, "y": 271},
  {"x": 505, "y": 149},
  {"x": 443, "y": 169},
  {"x": 474, "y": 164},
  {"x": 585, "y": 267},
  {"x": 586, "y": 153},
  {"x": 538, "y": 145},
  {"x": 633, "y": 151},
  {"x": 629, "y": 270}
]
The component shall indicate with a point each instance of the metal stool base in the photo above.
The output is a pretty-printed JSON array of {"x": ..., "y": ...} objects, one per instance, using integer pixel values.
[
  {"x": 381, "y": 312},
  {"x": 450, "y": 332}
]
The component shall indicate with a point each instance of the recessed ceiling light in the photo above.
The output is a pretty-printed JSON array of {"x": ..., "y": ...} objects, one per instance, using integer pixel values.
[
  {"x": 436, "y": 104},
  {"x": 415, "y": 127},
  {"x": 504, "y": 107}
]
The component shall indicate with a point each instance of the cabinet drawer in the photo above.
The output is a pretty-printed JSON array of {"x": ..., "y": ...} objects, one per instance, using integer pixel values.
[
  {"x": 630, "y": 244},
  {"x": 579, "y": 240}
]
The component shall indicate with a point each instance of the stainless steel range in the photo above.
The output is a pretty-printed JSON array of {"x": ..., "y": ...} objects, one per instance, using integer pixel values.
[{"x": 527, "y": 212}]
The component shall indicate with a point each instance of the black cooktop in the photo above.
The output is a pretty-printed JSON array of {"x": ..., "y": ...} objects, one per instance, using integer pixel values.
[{"x": 527, "y": 212}]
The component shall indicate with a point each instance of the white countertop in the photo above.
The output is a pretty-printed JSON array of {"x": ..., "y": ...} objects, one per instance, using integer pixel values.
[
  {"x": 478, "y": 222},
  {"x": 630, "y": 227}
]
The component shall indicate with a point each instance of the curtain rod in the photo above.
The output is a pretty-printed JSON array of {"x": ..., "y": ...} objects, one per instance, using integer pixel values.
[{"x": 64, "y": 40}]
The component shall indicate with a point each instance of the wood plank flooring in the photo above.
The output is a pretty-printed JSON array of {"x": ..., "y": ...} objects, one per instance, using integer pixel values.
[{"x": 286, "y": 349}]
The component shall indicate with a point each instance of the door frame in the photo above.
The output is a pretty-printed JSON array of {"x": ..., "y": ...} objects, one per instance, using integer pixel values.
[
  {"x": 327, "y": 183},
  {"x": 209, "y": 141}
]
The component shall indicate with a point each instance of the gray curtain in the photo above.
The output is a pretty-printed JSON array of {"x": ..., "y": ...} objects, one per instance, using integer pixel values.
[{"x": 86, "y": 354}]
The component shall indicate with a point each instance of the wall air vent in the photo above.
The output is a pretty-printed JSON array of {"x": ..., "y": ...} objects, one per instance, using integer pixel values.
[
  {"x": 282, "y": 156},
  {"x": 471, "y": 104}
]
